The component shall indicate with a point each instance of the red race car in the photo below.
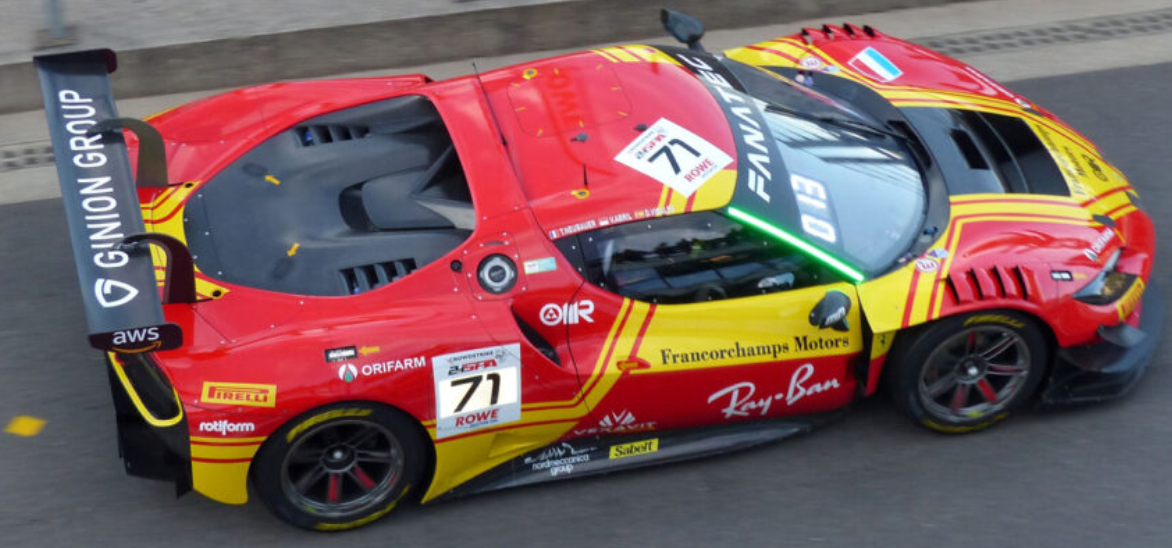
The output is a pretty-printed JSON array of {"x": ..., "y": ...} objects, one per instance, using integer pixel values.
[{"x": 352, "y": 293}]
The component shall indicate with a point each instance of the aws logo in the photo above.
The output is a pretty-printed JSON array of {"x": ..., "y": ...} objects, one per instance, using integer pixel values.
[
  {"x": 113, "y": 293},
  {"x": 137, "y": 340}
]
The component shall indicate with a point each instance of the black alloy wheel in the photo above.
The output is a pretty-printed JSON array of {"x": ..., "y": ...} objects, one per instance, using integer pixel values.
[
  {"x": 340, "y": 467},
  {"x": 968, "y": 372}
]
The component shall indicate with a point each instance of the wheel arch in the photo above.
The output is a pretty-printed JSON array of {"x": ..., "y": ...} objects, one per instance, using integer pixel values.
[
  {"x": 902, "y": 336},
  {"x": 424, "y": 437}
]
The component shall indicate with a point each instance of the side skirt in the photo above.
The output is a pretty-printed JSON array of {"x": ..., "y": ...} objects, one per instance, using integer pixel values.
[{"x": 600, "y": 455}]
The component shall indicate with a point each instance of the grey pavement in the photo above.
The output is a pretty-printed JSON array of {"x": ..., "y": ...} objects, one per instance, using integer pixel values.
[
  {"x": 134, "y": 24},
  {"x": 1091, "y": 477}
]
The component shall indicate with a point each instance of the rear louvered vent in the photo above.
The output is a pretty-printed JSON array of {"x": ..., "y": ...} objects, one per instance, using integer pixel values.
[
  {"x": 996, "y": 282},
  {"x": 308, "y": 136},
  {"x": 361, "y": 279}
]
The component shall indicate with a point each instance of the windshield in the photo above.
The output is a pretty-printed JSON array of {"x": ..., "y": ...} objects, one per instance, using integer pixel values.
[{"x": 856, "y": 189}]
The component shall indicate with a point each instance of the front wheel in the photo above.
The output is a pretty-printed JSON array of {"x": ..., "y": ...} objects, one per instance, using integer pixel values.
[
  {"x": 968, "y": 372},
  {"x": 339, "y": 467}
]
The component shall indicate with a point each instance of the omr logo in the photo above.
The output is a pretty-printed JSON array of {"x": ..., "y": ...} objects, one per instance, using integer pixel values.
[{"x": 113, "y": 293}]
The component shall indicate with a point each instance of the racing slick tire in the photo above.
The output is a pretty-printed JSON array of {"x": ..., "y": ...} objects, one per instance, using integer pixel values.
[
  {"x": 968, "y": 372},
  {"x": 341, "y": 466}
]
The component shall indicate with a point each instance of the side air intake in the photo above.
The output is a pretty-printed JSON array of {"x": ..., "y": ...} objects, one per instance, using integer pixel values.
[
  {"x": 996, "y": 282},
  {"x": 360, "y": 279},
  {"x": 308, "y": 136}
]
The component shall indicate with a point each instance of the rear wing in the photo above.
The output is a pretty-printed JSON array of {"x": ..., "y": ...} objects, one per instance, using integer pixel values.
[{"x": 114, "y": 266}]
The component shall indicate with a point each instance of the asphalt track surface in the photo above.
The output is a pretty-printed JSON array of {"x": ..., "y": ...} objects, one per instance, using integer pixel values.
[{"x": 1096, "y": 476}]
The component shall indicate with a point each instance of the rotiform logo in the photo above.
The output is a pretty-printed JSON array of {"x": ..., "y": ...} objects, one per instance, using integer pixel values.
[{"x": 224, "y": 427}]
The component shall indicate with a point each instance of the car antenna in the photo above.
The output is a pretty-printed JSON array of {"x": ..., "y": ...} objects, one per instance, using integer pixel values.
[{"x": 491, "y": 111}]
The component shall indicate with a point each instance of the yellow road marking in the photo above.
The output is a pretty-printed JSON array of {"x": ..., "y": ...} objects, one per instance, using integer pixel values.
[{"x": 25, "y": 426}]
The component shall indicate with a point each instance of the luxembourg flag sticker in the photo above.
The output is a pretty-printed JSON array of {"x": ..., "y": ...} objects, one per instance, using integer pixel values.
[{"x": 875, "y": 66}]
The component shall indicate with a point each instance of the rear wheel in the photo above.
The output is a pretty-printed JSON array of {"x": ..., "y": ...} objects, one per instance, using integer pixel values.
[
  {"x": 968, "y": 372},
  {"x": 339, "y": 467}
]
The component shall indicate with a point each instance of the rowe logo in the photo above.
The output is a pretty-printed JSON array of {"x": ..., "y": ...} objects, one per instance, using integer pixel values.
[
  {"x": 478, "y": 417},
  {"x": 224, "y": 427},
  {"x": 236, "y": 393},
  {"x": 113, "y": 293}
]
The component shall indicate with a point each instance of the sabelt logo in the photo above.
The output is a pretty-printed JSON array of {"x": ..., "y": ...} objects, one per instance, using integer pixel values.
[
  {"x": 235, "y": 393},
  {"x": 225, "y": 427},
  {"x": 645, "y": 447}
]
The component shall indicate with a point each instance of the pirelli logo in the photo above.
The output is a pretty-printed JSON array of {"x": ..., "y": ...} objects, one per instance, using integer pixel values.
[{"x": 236, "y": 393}]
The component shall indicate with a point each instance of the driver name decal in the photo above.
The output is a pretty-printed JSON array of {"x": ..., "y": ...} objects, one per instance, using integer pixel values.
[{"x": 674, "y": 156}]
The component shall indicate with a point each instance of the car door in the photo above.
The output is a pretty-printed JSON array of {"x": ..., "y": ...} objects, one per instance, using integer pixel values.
[{"x": 697, "y": 319}]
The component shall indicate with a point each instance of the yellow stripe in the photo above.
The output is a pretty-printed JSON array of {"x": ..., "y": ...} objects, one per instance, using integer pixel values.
[
  {"x": 1123, "y": 212},
  {"x": 637, "y": 51},
  {"x": 1008, "y": 207},
  {"x": 160, "y": 113},
  {"x": 227, "y": 440},
  {"x": 224, "y": 452},
  {"x": 716, "y": 192},
  {"x": 142, "y": 410},
  {"x": 606, "y": 55},
  {"x": 662, "y": 197},
  {"x": 621, "y": 55},
  {"x": 225, "y": 482},
  {"x": 963, "y": 198}
]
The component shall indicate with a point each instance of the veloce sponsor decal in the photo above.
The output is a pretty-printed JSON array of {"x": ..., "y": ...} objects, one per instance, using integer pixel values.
[{"x": 617, "y": 422}]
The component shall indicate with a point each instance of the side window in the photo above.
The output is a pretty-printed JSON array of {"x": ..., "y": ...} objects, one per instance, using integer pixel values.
[{"x": 694, "y": 257}]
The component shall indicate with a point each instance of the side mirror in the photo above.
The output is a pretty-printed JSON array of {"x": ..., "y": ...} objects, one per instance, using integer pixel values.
[
  {"x": 831, "y": 311},
  {"x": 683, "y": 27}
]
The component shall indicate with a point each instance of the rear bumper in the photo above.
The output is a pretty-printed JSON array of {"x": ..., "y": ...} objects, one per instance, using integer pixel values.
[
  {"x": 150, "y": 451},
  {"x": 1105, "y": 370}
]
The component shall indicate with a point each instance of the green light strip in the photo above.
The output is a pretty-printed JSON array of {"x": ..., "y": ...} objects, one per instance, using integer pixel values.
[{"x": 841, "y": 267}]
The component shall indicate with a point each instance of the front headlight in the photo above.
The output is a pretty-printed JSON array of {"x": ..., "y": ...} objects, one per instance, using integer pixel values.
[{"x": 1108, "y": 285}]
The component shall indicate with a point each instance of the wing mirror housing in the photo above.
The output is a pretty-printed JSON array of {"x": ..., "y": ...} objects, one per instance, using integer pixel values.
[
  {"x": 831, "y": 311},
  {"x": 683, "y": 27}
]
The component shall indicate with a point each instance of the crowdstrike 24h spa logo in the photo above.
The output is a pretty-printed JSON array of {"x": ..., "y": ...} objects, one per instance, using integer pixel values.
[{"x": 113, "y": 293}]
